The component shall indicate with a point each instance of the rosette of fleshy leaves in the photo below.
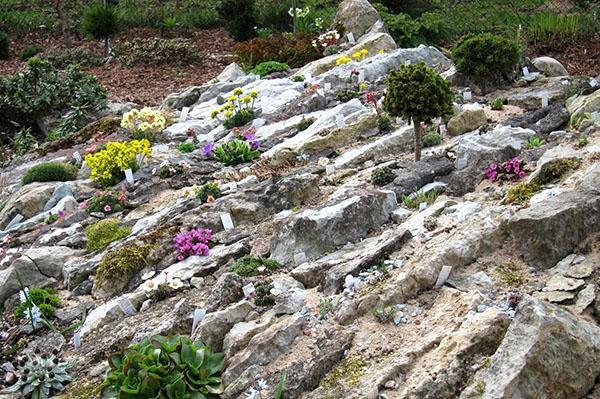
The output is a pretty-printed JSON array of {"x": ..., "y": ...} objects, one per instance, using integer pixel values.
[
  {"x": 160, "y": 367},
  {"x": 40, "y": 375}
]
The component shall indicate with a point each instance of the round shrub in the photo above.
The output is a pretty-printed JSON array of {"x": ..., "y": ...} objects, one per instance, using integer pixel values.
[
  {"x": 265, "y": 68},
  {"x": 417, "y": 92},
  {"x": 486, "y": 57},
  {"x": 4, "y": 46},
  {"x": 102, "y": 233},
  {"x": 238, "y": 18},
  {"x": 31, "y": 51},
  {"x": 50, "y": 171}
]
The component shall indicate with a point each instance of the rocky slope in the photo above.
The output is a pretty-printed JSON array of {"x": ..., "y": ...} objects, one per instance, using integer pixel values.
[{"x": 466, "y": 296}]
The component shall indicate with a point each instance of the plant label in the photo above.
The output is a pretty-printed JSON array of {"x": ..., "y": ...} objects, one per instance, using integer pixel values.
[
  {"x": 398, "y": 120},
  {"x": 443, "y": 276},
  {"x": 77, "y": 339},
  {"x": 300, "y": 258},
  {"x": 593, "y": 82},
  {"x": 422, "y": 206},
  {"x": 340, "y": 120},
  {"x": 199, "y": 314},
  {"x": 321, "y": 92},
  {"x": 564, "y": 82},
  {"x": 308, "y": 77},
  {"x": 361, "y": 76},
  {"x": 525, "y": 71},
  {"x": 407, "y": 62},
  {"x": 545, "y": 101},
  {"x": 129, "y": 176},
  {"x": 77, "y": 156},
  {"x": 350, "y": 36},
  {"x": 248, "y": 290},
  {"x": 443, "y": 128},
  {"x": 184, "y": 114},
  {"x": 227, "y": 221},
  {"x": 467, "y": 95},
  {"x": 327, "y": 86},
  {"x": 329, "y": 169},
  {"x": 126, "y": 306}
]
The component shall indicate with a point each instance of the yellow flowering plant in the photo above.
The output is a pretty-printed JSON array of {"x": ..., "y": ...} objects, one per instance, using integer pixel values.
[
  {"x": 109, "y": 164},
  {"x": 144, "y": 123},
  {"x": 360, "y": 55},
  {"x": 343, "y": 60},
  {"x": 237, "y": 110}
]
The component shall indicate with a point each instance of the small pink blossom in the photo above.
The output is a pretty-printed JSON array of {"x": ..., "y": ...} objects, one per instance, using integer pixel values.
[{"x": 107, "y": 208}]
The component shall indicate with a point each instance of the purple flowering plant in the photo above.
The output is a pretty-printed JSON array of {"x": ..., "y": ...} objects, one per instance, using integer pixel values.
[
  {"x": 509, "y": 170},
  {"x": 193, "y": 242},
  {"x": 241, "y": 149}
]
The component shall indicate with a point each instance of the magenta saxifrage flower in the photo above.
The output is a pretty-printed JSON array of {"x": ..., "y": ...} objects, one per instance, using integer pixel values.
[
  {"x": 193, "y": 242},
  {"x": 512, "y": 169}
]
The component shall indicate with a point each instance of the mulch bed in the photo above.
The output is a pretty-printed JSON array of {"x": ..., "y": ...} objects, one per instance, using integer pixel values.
[{"x": 579, "y": 58}]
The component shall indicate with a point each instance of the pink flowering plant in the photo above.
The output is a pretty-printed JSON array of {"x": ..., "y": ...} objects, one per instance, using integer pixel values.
[
  {"x": 106, "y": 202},
  {"x": 193, "y": 242},
  {"x": 509, "y": 170}
]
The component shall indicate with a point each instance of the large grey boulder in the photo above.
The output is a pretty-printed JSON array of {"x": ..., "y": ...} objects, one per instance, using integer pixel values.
[
  {"x": 28, "y": 201},
  {"x": 314, "y": 232},
  {"x": 50, "y": 260},
  {"x": 546, "y": 353},
  {"x": 29, "y": 274},
  {"x": 213, "y": 328},
  {"x": 466, "y": 121},
  {"x": 417, "y": 174},
  {"x": 549, "y": 66},
  {"x": 231, "y": 73},
  {"x": 356, "y": 16}
]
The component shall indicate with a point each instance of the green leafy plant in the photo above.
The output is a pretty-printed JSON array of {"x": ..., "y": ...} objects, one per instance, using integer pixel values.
[
  {"x": 417, "y": 92},
  {"x": 415, "y": 199},
  {"x": 106, "y": 202},
  {"x": 169, "y": 23},
  {"x": 62, "y": 58},
  {"x": 186, "y": 147},
  {"x": 239, "y": 118},
  {"x": 23, "y": 141},
  {"x": 346, "y": 95},
  {"x": 281, "y": 386},
  {"x": 50, "y": 171},
  {"x": 102, "y": 21},
  {"x": 248, "y": 266},
  {"x": 486, "y": 57},
  {"x": 207, "y": 190},
  {"x": 40, "y": 375},
  {"x": 497, "y": 104},
  {"x": 4, "y": 46},
  {"x": 325, "y": 306},
  {"x": 70, "y": 123},
  {"x": 555, "y": 29},
  {"x": 101, "y": 234},
  {"x": 263, "y": 296},
  {"x": 161, "y": 367},
  {"x": 268, "y": 67},
  {"x": 44, "y": 298},
  {"x": 305, "y": 124},
  {"x": 235, "y": 152},
  {"x": 157, "y": 51},
  {"x": 534, "y": 142},
  {"x": 298, "y": 78},
  {"x": 382, "y": 176},
  {"x": 384, "y": 123},
  {"x": 583, "y": 141},
  {"x": 31, "y": 51},
  {"x": 384, "y": 315},
  {"x": 238, "y": 17},
  {"x": 431, "y": 139}
]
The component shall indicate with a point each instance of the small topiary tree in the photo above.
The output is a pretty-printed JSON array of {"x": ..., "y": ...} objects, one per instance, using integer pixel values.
[
  {"x": 4, "y": 46},
  {"x": 102, "y": 22},
  {"x": 238, "y": 18},
  {"x": 417, "y": 92},
  {"x": 486, "y": 57}
]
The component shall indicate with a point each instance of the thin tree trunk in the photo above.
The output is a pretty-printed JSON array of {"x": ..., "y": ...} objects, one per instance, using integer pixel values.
[
  {"x": 64, "y": 23},
  {"x": 295, "y": 10},
  {"x": 107, "y": 46},
  {"x": 418, "y": 139}
]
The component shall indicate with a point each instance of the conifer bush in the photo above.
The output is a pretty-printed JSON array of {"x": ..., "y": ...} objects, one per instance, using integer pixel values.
[
  {"x": 238, "y": 17},
  {"x": 102, "y": 22},
  {"x": 50, "y": 171}
]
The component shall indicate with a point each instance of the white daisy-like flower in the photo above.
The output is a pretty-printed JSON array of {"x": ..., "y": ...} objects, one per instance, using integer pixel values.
[
  {"x": 149, "y": 286},
  {"x": 175, "y": 283},
  {"x": 148, "y": 275},
  {"x": 251, "y": 393}
]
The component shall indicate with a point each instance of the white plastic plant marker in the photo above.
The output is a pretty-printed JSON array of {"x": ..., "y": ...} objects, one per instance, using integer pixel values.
[
  {"x": 340, "y": 120},
  {"x": 525, "y": 71},
  {"x": 300, "y": 258},
  {"x": 407, "y": 62},
  {"x": 593, "y": 82},
  {"x": 77, "y": 339},
  {"x": 443, "y": 129},
  {"x": 227, "y": 221},
  {"x": 321, "y": 92},
  {"x": 327, "y": 86},
  {"x": 467, "y": 95},
  {"x": 443, "y": 276},
  {"x": 545, "y": 100},
  {"x": 129, "y": 176},
  {"x": 329, "y": 169},
  {"x": 565, "y": 82},
  {"x": 361, "y": 77},
  {"x": 248, "y": 290},
  {"x": 422, "y": 206},
  {"x": 184, "y": 114},
  {"x": 126, "y": 306},
  {"x": 351, "y": 38},
  {"x": 77, "y": 156},
  {"x": 199, "y": 314},
  {"x": 308, "y": 77}
]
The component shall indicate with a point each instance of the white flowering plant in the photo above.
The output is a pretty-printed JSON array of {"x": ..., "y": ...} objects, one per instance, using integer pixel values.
[
  {"x": 327, "y": 39},
  {"x": 144, "y": 123}
]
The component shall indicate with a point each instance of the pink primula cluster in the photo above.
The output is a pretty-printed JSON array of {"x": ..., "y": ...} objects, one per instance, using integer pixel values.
[
  {"x": 193, "y": 242},
  {"x": 509, "y": 170}
]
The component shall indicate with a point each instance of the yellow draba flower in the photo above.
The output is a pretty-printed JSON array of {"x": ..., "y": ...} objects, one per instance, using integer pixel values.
[
  {"x": 115, "y": 158},
  {"x": 364, "y": 51},
  {"x": 362, "y": 86},
  {"x": 254, "y": 94},
  {"x": 214, "y": 113},
  {"x": 228, "y": 114},
  {"x": 246, "y": 99},
  {"x": 382, "y": 51},
  {"x": 343, "y": 60},
  {"x": 356, "y": 55},
  {"x": 232, "y": 98},
  {"x": 238, "y": 91}
]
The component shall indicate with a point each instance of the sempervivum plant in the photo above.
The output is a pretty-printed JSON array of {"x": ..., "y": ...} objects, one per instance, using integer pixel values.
[
  {"x": 40, "y": 375},
  {"x": 160, "y": 367}
]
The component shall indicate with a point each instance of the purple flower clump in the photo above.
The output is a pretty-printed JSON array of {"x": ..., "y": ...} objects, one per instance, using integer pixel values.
[
  {"x": 208, "y": 149},
  {"x": 251, "y": 139},
  {"x": 193, "y": 242},
  {"x": 512, "y": 169}
]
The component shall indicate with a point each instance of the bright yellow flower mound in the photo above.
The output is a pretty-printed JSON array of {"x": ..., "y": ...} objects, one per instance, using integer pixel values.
[
  {"x": 107, "y": 166},
  {"x": 343, "y": 60}
]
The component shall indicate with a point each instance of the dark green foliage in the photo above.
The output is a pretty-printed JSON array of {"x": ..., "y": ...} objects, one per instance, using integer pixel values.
[
  {"x": 31, "y": 51},
  {"x": 157, "y": 51},
  {"x": 99, "y": 202},
  {"x": 408, "y": 31},
  {"x": 346, "y": 95},
  {"x": 414, "y": 200},
  {"x": 263, "y": 296},
  {"x": 384, "y": 123},
  {"x": 4, "y": 46},
  {"x": 122, "y": 264},
  {"x": 432, "y": 139},
  {"x": 382, "y": 176},
  {"x": 44, "y": 298},
  {"x": 50, "y": 171},
  {"x": 24, "y": 141},
  {"x": 42, "y": 90},
  {"x": 298, "y": 78},
  {"x": 186, "y": 147},
  {"x": 305, "y": 124},
  {"x": 240, "y": 118},
  {"x": 101, "y": 21},
  {"x": 418, "y": 92},
  {"x": 295, "y": 50},
  {"x": 486, "y": 57},
  {"x": 247, "y": 266},
  {"x": 81, "y": 56},
  {"x": 160, "y": 367},
  {"x": 238, "y": 18},
  {"x": 268, "y": 67},
  {"x": 70, "y": 123},
  {"x": 235, "y": 152},
  {"x": 209, "y": 189},
  {"x": 497, "y": 104}
]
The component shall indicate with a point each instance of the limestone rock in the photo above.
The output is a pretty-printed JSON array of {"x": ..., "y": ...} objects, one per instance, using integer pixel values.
[
  {"x": 50, "y": 260},
  {"x": 28, "y": 201},
  {"x": 241, "y": 333},
  {"x": 213, "y": 328},
  {"x": 581, "y": 105},
  {"x": 231, "y": 73},
  {"x": 561, "y": 283},
  {"x": 417, "y": 174},
  {"x": 227, "y": 290},
  {"x": 357, "y": 16},
  {"x": 549, "y": 66},
  {"x": 466, "y": 121}
]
